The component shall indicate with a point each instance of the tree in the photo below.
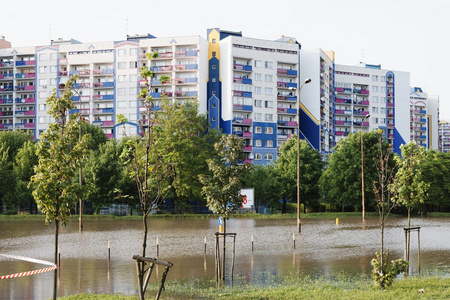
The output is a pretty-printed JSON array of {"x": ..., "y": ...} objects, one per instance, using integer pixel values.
[
  {"x": 384, "y": 273},
  {"x": 222, "y": 187},
  {"x": 103, "y": 171},
  {"x": 436, "y": 168},
  {"x": 311, "y": 166},
  {"x": 60, "y": 153},
  {"x": 24, "y": 164},
  {"x": 183, "y": 133},
  {"x": 267, "y": 188},
  {"x": 341, "y": 180}
]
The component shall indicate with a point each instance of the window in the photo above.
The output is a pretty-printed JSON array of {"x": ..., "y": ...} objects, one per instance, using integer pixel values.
[
  {"x": 383, "y": 100},
  {"x": 258, "y": 90},
  {"x": 258, "y": 76},
  {"x": 133, "y": 78},
  {"x": 258, "y": 116},
  {"x": 122, "y": 52},
  {"x": 43, "y": 95},
  {"x": 132, "y": 104},
  {"x": 43, "y": 57},
  {"x": 268, "y": 91},
  {"x": 268, "y": 104},
  {"x": 122, "y": 65},
  {"x": 258, "y": 64},
  {"x": 383, "y": 89},
  {"x": 382, "y": 120},
  {"x": 382, "y": 110},
  {"x": 375, "y": 110},
  {"x": 122, "y": 91},
  {"x": 375, "y": 120},
  {"x": 133, "y": 64},
  {"x": 132, "y": 91},
  {"x": 122, "y": 78},
  {"x": 214, "y": 53},
  {"x": 258, "y": 129},
  {"x": 213, "y": 79},
  {"x": 268, "y": 65},
  {"x": 269, "y": 117},
  {"x": 374, "y": 88},
  {"x": 383, "y": 78},
  {"x": 268, "y": 143},
  {"x": 258, "y": 143},
  {"x": 133, "y": 51},
  {"x": 132, "y": 117},
  {"x": 214, "y": 41},
  {"x": 375, "y": 99},
  {"x": 53, "y": 56},
  {"x": 268, "y": 156},
  {"x": 122, "y": 104},
  {"x": 258, "y": 156},
  {"x": 213, "y": 67},
  {"x": 52, "y": 81},
  {"x": 42, "y": 107},
  {"x": 258, "y": 103},
  {"x": 374, "y": 77},
  {"x": 269, "y": 130},
  {"x": 268, "y": 78},
  {"x": 42, "y": 120},
  {"x": 53, "y": 69},
  {"x": 43, "y": 69},
  {"x": 214, "y": 105},
  {"x": 42, "y": 81}
]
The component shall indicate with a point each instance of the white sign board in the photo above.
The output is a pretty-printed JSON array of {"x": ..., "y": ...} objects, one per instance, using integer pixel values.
[{"x": 248, "y": 200}]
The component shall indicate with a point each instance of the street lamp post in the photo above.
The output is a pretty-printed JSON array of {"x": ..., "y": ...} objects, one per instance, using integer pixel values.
[
  {"x": 299, "y": 221},
  {"x": 362, "y": 171}
]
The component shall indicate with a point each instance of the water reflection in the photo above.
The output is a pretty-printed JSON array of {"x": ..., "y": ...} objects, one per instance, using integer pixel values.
[{"x": 321, "y": 250}]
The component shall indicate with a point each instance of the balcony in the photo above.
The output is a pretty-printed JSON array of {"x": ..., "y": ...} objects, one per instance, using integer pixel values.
[
  {"x": 6, "y": 101},
  {"x": 62, "y": 73},
  {"x": 343, "y": 112},
  {"x": 286, "y": 85},
  {"x": 82, "y": 98},
  {"x": 188, "y": 53},
  {"x": 181, "y": 94},
  {"x": 242, "y": 121},
  {"x": 290, "y": 111},
  {"x": 9, "y": 76},
  {"x": 286, "y": 97},
  {"x": 7, "y": 64},
  {"x": 63, "y": 61},
  {"x": 344, "y": 100},
  {"x": 242, "y": 80},
  {"x": 181, "y": 81},
  {"x": 102, "y": 97},
  {"x": 247, "y": 134},
  {"x": 106, "y": 84},
  {"x": 243, "y": 68},
  {"x": 242, "y": 94},
  {"x": 286, "y": 72},
  {"x": 103, "y": 110},
  {"x": 6, "y": 113},
  {"x": 390, "y": 105},
  {"x": 242, "y": 107},
  {"x": 248, "y": 148},
  {"x": 287, "y": 123},
  {"x": 164, "y": 55},
  {"x": 103, "y": 123},
  {"x": 190, "y": 67},
  {"x": 25, "y": 63},
  {"x": 167, "y": 68},
  {"x": 98, "y": 72},
  {"x": 25, "y": 75}
]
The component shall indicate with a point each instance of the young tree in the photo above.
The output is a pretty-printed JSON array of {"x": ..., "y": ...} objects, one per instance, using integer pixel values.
[
  {"x": 24, "y": 164},
  {"x": 384, "y": 273},
  {"x": 60, "y": 153},
  {"x": 222, "y": 188},
  {"x": 311, "y": 166}
]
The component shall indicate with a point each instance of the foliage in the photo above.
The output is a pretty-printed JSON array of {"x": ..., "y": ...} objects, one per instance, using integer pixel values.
[
  {"x": 222, "y": 188},
  {"x": 24, "y": 163},
  {"x": 435, "y": 170},
  {"x": 311, "y": 167},
  {"x": 60, "y": 153},
  {"x": 384, "y": 274},
  {"x": 96, "y": 134},
  {"x": 266, "y": 187},
  {"x": 409, "y": 187},
  {"x": 341, "y": 181}
]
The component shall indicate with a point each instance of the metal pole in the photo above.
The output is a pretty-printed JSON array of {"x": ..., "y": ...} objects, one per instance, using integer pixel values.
[{"x": 362, "y": 171}]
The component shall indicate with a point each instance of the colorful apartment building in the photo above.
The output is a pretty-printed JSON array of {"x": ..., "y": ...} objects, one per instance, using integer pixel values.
[{"x": 444, "y": 136}]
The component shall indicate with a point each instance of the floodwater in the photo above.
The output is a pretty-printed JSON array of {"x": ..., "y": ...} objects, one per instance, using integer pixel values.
[{"x": 322, "y": 249}]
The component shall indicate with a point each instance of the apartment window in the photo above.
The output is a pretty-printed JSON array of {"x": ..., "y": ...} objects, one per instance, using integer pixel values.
[
  {"x": 132, "y": 91},
  {"x": 122, "y": 65},
  {"x": 42, "y": 107},
  {"x": 133, "y": 64},
  {"x": 268, "y": 78},
  {"x": 133, "y": 78},
  {"x": 258, "y": 90},
  {"x": 43, "y": 69},
  {"x": 42, "y": 120},
  {"x": 133, "y": 51},
  {"x": 258, "y": 129},
  {"x": 268, "y": 65},
  {"x": 122, "y": 78},
  {"x": 257, "y": 116},
  {"x": 122, "y": 104},
  {"x": 374, "y": 77},
  {"x": 383, "y": 89},
  {"x": 383, "y": 78},
  {"x": 258, "y": 76},
  {"x": 258, "y": 64},
  {"x": 53, "y": 69},
  {"x": 214, "y": 41},
  {"x": 375, "y": 110},
  {"x": 382, "y": 110},
  {"x": 268, "y": 91},
  {"x": 269, "y": 117},
  {"x": 258, "y": 143},
  {"x": 132, "y": 117},
  {"x": 375, "y": 99},
  {"x": 122, "y": 52},
  {"x": 132, "y": 104},
  {"x": 214, "y": 53},
  {"x": 213, "y": 79},
  {"x": 383, "y": 100},
  {"x": 43, "y": 95},
  {"x": 375, "y": 120},
  {"x": 258, "y": 103},
  {"x": 53, "y": 56},
  {"x": 52, "y": 81},
  {"x": 374, "y": 88},
  {"x": 42, "y": 81},
  {"x": 258, "y": 156},
  {"x": 122, "y": 91},
  {"x": 268, "y": 104},
  {"x": 43, "y": 57},
  {"x": 383, "y": 121},
  {"x": 268, "y": 156},
  {"x": 268, "y": 130},
  {"x": 268, "y": 143}
]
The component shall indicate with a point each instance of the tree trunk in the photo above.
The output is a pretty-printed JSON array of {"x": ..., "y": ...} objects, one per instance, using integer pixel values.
[
  {"x": 283, "y": 207},
  {"x": 55, "y": 275},
  {"x": 224, "y": 247}
]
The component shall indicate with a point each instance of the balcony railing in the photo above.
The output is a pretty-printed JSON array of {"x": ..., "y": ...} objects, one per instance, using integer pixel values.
[
  {"x": 242, "y": 107},
  {"x": 103, "y": 97},
  {"x": 162, "y": 68},
  {"x": 240, "y": 67},
  {"x": 242, "y": 94},
  {"x": 108, "y": 84},
  {"x": 186, "y": 53},
  {"x": 97, "y": 72},
  {"x": 286, "y": 72},
  {"x": 186, "y": 67},
  {"x": 9, "y": 76},
  {"x": 25, "y": 63}
]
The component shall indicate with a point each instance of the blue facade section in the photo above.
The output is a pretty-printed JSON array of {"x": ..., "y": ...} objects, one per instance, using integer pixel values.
[
  {"x": 398, "y": 141},
  {"x": 309, "y": 130}
]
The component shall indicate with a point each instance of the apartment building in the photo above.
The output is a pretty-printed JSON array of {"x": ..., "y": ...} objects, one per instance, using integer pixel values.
[
  {"x": 252, "y": 90},
  {"x": 317, "y": 99},
  {"x": 444, "y": 136},
  {"x": 368, "y": 97},
  {"x": 424, "y": 123}
]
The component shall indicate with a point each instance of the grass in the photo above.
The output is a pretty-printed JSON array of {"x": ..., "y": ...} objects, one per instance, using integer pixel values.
[{"x": 340, "y": 287}]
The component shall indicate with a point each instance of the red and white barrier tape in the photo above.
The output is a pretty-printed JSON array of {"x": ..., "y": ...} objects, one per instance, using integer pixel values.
[{"x": 28, "y": 273}]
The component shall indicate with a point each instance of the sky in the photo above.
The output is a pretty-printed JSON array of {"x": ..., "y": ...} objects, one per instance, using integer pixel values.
[{"x": 401, "y": 35}]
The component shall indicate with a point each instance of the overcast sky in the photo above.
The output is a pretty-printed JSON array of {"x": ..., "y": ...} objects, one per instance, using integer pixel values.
[{"x": 402, "y": 35}]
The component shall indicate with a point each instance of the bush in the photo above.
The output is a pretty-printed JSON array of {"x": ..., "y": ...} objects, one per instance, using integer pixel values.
[{"x": 384, "y": 275}]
